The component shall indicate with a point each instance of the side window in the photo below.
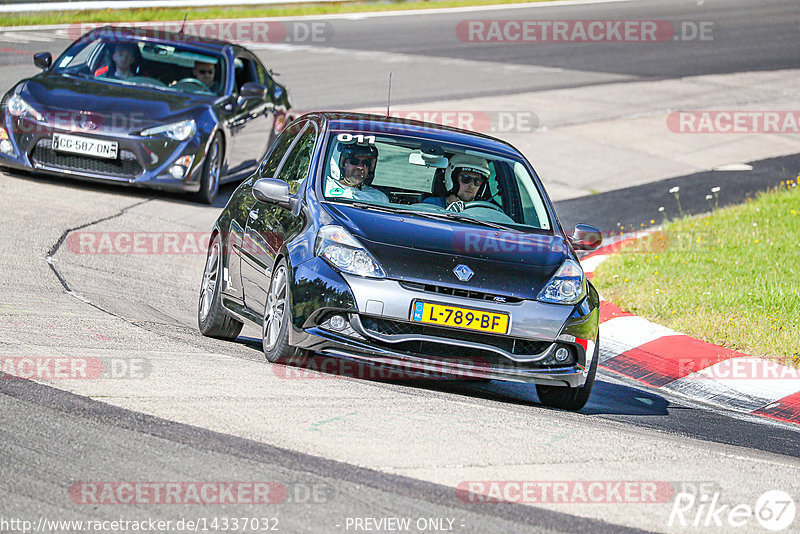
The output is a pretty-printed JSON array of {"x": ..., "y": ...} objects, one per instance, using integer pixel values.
[
  {"x": 295, "y": 168},
  {"x": 261, "y": 73},
  {"x": 243, "y": 71},
  {"x": 533, "y": 208},
  {"x": 281, "y": 146}
]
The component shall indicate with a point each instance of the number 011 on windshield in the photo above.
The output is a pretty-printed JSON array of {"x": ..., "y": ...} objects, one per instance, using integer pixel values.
[{"x": 438, "y": 314}]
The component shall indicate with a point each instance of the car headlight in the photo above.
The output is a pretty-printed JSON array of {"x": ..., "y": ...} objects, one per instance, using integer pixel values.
[
  {"x": 567, "y": 286},
  {"x": 177, "y": 131},
  {"x": 17, "y": 107},
  {"x": 344, "y": 252}
]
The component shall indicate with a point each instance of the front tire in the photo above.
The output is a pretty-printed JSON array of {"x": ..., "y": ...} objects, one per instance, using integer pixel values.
[
  {"x": 212, "y": 319},
  {"x": 212, "y": 169},
  {"x": 567, "y": 398},
  {"x": 278, "y": 319}
]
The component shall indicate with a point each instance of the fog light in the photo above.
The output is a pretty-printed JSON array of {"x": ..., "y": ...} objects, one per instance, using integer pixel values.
[
  {"x": 338, "y": 322},
  {"x": 5, "y": 145},
  {"x": 562, "y": 355},
  {"x": 181, "y": 167}
]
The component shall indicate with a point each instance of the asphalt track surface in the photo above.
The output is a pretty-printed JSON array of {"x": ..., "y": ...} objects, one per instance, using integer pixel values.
[{"x": 52, "y": 438}]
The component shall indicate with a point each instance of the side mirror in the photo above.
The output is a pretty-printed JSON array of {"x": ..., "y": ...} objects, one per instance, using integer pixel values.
[
  {"x": 43, "y": 60},
  {"x": 252, "y": 90},
  {"x": 272, "y": 191},
  {"x": 585, "y": 237},
  {"x": 279, "y": 96}
]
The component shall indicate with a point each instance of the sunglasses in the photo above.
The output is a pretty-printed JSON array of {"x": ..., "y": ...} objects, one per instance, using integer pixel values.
[
  {"x": 205, "y": 71},
  {"x": 366, "y": 162},
  {"x": 479, "y": 180}
]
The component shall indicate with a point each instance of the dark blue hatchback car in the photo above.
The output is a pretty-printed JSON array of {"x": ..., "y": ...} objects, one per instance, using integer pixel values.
[{"x": 407, "y": 245}]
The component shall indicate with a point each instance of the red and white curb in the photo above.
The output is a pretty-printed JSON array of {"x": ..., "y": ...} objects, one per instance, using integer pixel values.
[{"x": 663, "y": 358}]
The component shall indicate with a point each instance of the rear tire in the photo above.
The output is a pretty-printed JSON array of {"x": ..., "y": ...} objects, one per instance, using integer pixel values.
[
  {"x": 567, "y": 398},
  {"x": 278, "y": 320},
  {"x": 212, "y": 319},
  {"x": 212, "y": 170}
]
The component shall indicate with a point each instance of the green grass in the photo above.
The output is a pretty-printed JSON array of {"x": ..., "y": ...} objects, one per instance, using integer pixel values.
[
  {"x": 730, "y": 277},
  {"x": 232, "y": 12}
]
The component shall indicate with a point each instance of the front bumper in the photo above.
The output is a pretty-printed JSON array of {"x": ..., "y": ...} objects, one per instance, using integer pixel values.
[
  {"x": 141, "y": 162},
  {"x": 379, "y": 331}
]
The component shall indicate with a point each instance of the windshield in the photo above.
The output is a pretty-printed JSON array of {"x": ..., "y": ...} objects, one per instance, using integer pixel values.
[
  {"x": 171, "y": 67},
  {"x": 411, "y": 174}
]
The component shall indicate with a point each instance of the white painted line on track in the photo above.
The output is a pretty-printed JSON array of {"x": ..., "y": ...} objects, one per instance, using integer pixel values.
[
  {"x": 346, "y": 16},
  {"x": 134, "y": 4},
  {"x": 25, "y": 37}
]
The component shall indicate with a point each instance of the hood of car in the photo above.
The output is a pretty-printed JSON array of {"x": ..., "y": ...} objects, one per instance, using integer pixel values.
[
  {"x": 424, "y": 250},
  {"x": 115, "y": 106}
]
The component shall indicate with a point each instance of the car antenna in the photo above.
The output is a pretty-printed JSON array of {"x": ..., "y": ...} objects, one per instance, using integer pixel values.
[
  {"x": 184, "y": 22},
  {"x": 389, "y": 98}
]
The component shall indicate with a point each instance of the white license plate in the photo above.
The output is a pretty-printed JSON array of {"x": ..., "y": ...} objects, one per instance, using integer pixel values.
[{"x": 85, "y": 146}]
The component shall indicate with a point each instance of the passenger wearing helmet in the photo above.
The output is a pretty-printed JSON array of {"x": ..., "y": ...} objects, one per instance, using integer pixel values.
[
  {"x": 355, "y": 172},
  {"x": 465, "y": 177}
]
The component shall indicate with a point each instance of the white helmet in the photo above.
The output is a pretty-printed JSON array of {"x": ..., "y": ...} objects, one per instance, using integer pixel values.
[{"x": 465, "y": 162}]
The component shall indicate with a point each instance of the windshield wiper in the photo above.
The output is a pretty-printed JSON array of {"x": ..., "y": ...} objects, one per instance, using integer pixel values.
[
  {"x": 433, "y": 215},
  {"x": 379, "y": 207},
  {"x": 466, "y": 218},
  {"x": 390, "y": 209},
  {"x": 75, "y": 74}
]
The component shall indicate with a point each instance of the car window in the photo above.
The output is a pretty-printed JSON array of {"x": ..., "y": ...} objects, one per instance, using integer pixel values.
[
  {"x": 412, "y": 173},
  {"x": 295, "y": 167},
  {"x": 261, "y": 74},
  {"x": 244, "y": 71},
  {"x": 167, "y": 66},
  {"x": 78, "y": 56},
  {"x": 282, "y": 144}
]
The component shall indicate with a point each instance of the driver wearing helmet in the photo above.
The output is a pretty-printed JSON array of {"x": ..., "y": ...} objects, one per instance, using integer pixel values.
[
  {"x": 465, "y": 177},
  {"x": 355, "y": 172}
]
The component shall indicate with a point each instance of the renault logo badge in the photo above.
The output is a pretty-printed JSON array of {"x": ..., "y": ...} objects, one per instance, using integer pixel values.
[{"x": 463, "y": 273}]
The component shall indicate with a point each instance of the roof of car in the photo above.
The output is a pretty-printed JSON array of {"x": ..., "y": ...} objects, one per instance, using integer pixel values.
[
  {"x": 160, "y": 35},
  {"x": 402, "y": 126}
]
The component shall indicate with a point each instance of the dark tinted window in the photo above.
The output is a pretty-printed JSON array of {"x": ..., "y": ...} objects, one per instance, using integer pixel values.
[{"x": 295, "y": 168}]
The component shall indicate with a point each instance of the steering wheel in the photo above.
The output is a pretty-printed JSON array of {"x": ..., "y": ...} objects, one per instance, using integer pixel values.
[
  {"x": 483, "y": 204},
  {"x": 193, "y": 81}
]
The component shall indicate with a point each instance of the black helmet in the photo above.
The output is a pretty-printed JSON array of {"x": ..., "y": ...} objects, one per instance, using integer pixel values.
[{"x": 364, "y": 151}]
